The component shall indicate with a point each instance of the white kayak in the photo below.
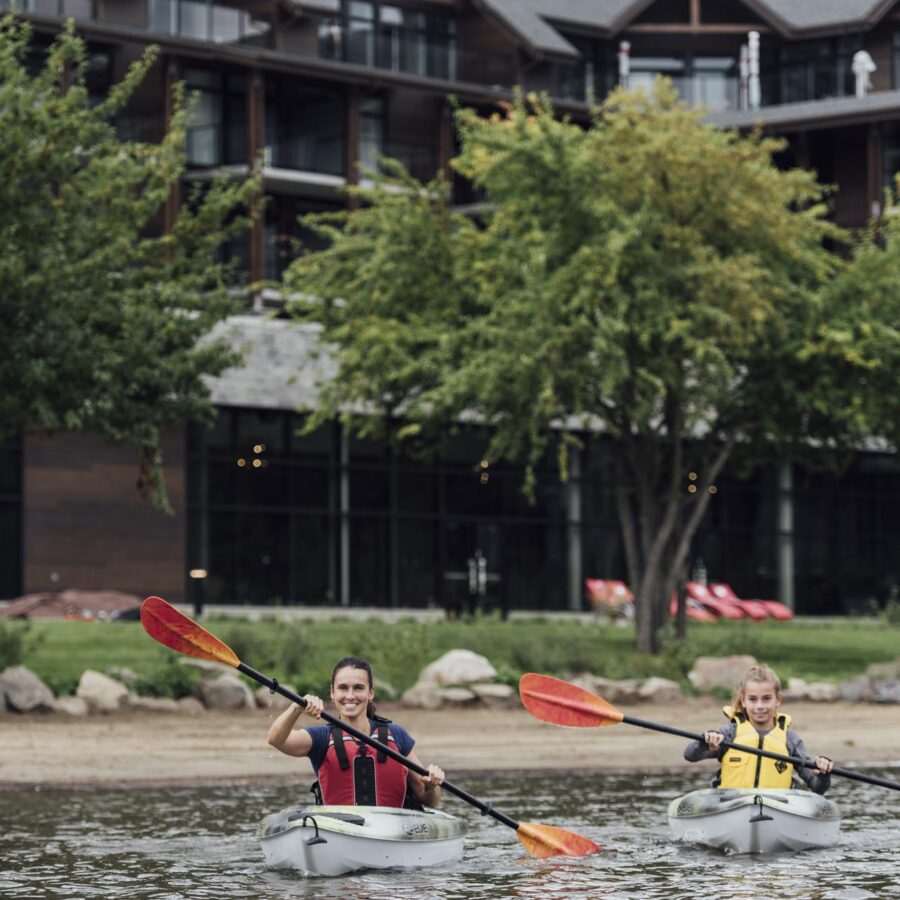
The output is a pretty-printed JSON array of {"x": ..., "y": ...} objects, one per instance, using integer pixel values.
[
  {"x": 755, "y": 820},
  {"x": 334, "y": 840}
]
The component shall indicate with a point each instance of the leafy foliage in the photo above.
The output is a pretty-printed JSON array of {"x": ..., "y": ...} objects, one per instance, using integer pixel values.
[
  {"x": 15, "y": 642},
  {"x": 101, "y": 310},
  {"x": 648, "y": 277}
]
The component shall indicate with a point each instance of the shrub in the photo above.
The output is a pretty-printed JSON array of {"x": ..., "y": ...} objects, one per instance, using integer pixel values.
[
  {"x": 170, "y": 679},
  {"x": 15, "y": 642}
]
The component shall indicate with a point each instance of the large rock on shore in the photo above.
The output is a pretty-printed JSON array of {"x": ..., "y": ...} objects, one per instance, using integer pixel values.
[
  {"x": 458, "y": 667},
  {"x": 23, "y": 691},
  {"x": 226, "y": 692},
  {"x": 102, "y": 693}
]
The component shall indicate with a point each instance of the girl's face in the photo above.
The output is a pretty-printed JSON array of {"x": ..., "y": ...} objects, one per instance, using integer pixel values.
[
  {"x": 761, "y": 700},
  {"x": 351, "y": 691}
]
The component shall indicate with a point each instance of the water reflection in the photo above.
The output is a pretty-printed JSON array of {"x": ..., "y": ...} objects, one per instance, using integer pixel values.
[{"x": 198, "y": 843}]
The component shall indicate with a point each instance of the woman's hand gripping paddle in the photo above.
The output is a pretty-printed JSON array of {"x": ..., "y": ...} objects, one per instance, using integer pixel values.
[
  {"x": 164, "y": 623},
  {"x": 562, "y": 703}
]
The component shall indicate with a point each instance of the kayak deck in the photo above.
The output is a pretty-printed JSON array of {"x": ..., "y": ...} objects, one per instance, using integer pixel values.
[
  {"x": 755, "y": 820},
  {"x": 334, "y": 840}
]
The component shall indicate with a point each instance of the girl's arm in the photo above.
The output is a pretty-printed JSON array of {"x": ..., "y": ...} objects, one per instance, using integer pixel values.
[
  {"x": 818, "y": 779},
  {"x": 709, "y": 748}
]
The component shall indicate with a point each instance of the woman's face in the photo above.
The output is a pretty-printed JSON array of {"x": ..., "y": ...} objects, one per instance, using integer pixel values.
[{"x": 351, "y": 691}]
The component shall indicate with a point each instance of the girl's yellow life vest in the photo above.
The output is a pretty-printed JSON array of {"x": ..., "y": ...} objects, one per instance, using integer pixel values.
[{"x": 747, "y": 770}]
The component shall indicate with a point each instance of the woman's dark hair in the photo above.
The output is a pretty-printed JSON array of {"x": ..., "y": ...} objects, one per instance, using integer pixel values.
[{"x": 354, "y": 662}]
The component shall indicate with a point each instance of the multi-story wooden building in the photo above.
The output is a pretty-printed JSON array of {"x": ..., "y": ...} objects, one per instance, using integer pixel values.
[{"x": 314, "y": 92}]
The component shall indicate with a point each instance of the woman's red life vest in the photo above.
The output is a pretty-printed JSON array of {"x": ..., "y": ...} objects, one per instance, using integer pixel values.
[{"x": 353, "y": 774}]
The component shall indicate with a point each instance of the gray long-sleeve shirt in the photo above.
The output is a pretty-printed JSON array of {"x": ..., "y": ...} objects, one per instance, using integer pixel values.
[{"x": 697, "y": 750}]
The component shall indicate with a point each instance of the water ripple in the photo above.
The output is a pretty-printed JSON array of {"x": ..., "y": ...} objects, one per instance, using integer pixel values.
[{"x": 198, "y": 844}]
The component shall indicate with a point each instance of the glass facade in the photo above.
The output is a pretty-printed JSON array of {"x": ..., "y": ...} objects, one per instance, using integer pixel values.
[{"x": 323, "y": 519}]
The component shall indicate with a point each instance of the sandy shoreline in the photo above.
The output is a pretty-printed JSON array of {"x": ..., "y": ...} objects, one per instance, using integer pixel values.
[{"x": 135, "y": 749}]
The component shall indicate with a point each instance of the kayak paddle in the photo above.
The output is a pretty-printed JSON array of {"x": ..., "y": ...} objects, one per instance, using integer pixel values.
[
  {"x": 164, "y": 623},
  {"x": 562, "y": 703}
]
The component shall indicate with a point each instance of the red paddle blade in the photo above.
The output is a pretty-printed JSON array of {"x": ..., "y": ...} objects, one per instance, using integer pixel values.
[
  {"x": 561, "y": 703},
  {"x": 543, "y": 841},
  {"x": 167, "y": 625}
]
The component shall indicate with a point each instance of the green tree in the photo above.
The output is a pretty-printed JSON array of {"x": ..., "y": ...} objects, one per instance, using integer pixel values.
[
  {"x": 100, "y": 311},
  {"x": 648, "y": 277}
]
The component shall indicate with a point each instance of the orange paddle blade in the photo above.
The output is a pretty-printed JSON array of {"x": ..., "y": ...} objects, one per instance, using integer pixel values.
[
  {"x": 167, "y": 625},
  {"x": 560, "y": 703},
  {"x": 543, "y": 841}
]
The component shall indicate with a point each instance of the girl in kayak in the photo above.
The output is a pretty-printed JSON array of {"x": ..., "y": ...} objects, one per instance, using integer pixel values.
[
  {"x": 351, "y": 773},
  {"x": 755, "y": 721}
]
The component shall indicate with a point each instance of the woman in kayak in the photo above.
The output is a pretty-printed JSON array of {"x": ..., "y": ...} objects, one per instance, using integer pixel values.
[
  {"x": 755, "y": 721},
  {"x": 350, "y": 772}
]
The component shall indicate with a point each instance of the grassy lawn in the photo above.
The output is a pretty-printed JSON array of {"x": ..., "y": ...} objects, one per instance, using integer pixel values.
[{"x": 303, "y": 653}]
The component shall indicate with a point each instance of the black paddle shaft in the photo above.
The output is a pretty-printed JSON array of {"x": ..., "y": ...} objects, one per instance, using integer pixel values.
[
  {"x": 485, "y": 808},
  {"x": 796, "y": 760}
]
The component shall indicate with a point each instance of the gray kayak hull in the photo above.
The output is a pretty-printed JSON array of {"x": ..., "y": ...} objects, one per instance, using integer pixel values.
[
  {"x": 752, "y": 820},
  {"x": 335, "y": 840}
]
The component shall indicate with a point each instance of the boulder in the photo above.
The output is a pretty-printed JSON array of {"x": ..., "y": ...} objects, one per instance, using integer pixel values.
[
  {"x": 495, "y": 696},
  {"x": 208, "y": 668},
  {"x": 102, "y": 693},
  {"x": 226, "y": 692},
  {"x": 71, "y": 706},
  {"x": 719, "y": 671},
  {"x": 886, "y": 671},
  {"x": 886, "y": 691},
  {"x": 189, "y": 705},
  {"x": 625, "y": 691},
  {"x": 24, "y": 691},
  {"x": 857, "y": 690},
  {"x": 154, "y": 704},
  {"x": 822, "y": 692},
  {"x": 266, "y": 699},
  {"x": 458, "y": 667},
  {"x": 422, "y": 696},
  {"x": 457, "y": 696},
  {"x": 660, "y": 690}
]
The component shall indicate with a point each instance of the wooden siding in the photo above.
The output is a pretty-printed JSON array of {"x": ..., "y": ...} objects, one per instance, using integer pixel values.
[{"x": 84, "y": 520}]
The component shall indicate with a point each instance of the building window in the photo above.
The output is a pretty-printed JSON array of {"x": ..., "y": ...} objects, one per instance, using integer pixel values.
[
  {"x": 305, "y": 128},
  {"x": 815, "y": 70},
  {"x": 392, "y": 37},
  {"x": 204, "y": 21},
  {"x": 217, "y": 133},
  {"x": 371, "y": 132}
]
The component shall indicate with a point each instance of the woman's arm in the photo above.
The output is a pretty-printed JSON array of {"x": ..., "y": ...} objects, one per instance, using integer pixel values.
[
  {"x": 428, "y": 790},
  {"x": 281, "y": 734}
]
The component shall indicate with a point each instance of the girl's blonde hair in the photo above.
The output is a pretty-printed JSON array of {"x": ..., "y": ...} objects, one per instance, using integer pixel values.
[{"x": 760, "y": 673}]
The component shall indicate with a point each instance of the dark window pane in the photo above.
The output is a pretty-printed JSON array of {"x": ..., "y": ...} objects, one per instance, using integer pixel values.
[
  {"x": 369, "y": 561},
  {"x": 312, "y": 542},
  {"x": 417, "y": 562},
  {"x": 261, "y": 483},
  {"x": 261, "y": 432},
  {"x": 416, "y": 490},
  {"x": 369, "y": 490},
  {"x": 310, "y": 486},
  {"x": 262, "y": 558}
]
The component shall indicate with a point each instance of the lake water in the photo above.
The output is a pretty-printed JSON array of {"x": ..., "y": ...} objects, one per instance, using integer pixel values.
[{"x": 198, "y": 843}]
